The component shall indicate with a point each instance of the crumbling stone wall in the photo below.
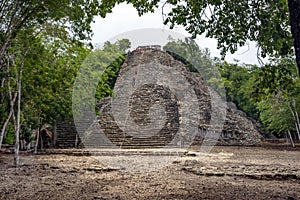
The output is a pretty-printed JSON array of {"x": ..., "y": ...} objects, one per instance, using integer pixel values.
[{"x": 238, "y": 128}]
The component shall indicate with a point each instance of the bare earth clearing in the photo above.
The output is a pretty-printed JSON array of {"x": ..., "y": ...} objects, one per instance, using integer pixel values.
[{"x": 226, "y": 173}]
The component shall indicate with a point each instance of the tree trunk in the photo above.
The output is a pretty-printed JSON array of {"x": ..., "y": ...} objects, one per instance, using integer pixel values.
[
  {"x": 17, "y": 131},
  {"x": 3, "y": 50},
  {"x": 37, "y": 136},
  {"x": 297, "y": 124},
  {"x": 4, "y": 127},
  {"x": 42, "y": 143},
  {"x": 54, "y": 136},
  {"x": 297, "y": 129},
  {"x": 295, "y": 116},
  {"x": 18, "y": 121},
  {"x": 294, "y": 9},
  {"x": 291, "y": 139},
  {"x": 12, "y": 100}
]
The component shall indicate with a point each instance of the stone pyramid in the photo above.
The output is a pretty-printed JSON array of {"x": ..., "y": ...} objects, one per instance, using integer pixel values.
[{"x": 159, "y": 102}]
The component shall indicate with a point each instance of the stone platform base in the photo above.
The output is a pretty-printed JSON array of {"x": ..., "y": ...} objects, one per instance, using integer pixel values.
[{"x": 118, "y": 152}]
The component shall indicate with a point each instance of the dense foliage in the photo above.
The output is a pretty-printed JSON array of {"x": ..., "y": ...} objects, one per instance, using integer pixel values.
[
  {"x": 108, "y": 78},
  {"x": 49, "y": 74},
  {"x": 28, "y": 28}
]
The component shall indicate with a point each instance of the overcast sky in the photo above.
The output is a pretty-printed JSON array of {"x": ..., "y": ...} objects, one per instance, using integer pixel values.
[{"x": 125, "y": 19}]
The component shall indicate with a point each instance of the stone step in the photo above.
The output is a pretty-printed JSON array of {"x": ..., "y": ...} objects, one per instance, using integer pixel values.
[{"x": 119, "y": 152}]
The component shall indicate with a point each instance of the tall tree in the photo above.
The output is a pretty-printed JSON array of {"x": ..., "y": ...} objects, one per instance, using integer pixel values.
[
  {"x": 18, "y": 58},
  {"x": 16, "y": 15},
  {"x": 294, "y": 7},
  {"x": 42, "y": 66},
  {"x": 274, "y": 25},
  {"x": 276, "y": 88},
  {"x": 238, "y": 80}
]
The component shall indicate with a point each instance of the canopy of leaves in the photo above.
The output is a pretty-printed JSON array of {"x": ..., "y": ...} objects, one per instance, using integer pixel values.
[
  {"x": 238, "y": 81},
  {"x": 232, "y": 23},
  {"x": 277, "y": 77},
  {"x": 276, "y": 91},
  {"x": 108, "y": 78},
  {"x": 49, "y": 72},
  {"x": 72, "y": 16},
  {"x": 275, "y": 115}
]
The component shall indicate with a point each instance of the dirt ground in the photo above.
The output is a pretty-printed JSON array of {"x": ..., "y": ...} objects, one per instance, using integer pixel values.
[{"x": 225, "y": 173}]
